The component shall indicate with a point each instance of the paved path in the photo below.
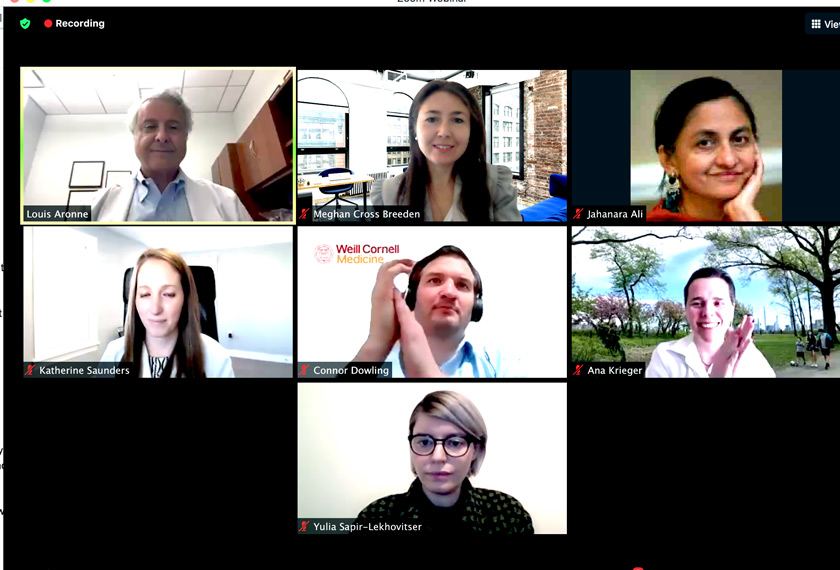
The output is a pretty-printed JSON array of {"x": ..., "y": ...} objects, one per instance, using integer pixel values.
[{"x": 808, "y": 372}]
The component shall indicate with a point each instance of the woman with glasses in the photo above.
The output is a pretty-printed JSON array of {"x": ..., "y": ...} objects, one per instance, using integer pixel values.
[{"x": 447, "y": 441}]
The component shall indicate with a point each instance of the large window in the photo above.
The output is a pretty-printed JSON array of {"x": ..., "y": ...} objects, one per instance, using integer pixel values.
[
  {"x": 504, "y": 126},
  {"x": 398, "y": 139},
  {"x": 323, "y": 124}
]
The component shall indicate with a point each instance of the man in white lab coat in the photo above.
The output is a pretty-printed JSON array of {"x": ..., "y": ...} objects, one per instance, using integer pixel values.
[{"x": 160, "y": 191}]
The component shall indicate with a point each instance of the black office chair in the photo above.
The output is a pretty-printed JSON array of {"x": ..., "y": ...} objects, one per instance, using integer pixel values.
[
  {"x": 205, "y": 282},
  {"x": 336, "y": 190}
]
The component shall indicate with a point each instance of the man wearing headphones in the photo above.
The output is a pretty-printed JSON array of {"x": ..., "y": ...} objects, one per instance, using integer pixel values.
[{"x": 423, "y": 334}]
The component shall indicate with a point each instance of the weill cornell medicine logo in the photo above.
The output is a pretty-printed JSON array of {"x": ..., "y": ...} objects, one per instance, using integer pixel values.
[
  {"x": 355, "y": 253},
  {"x": 323, "y": 253}
]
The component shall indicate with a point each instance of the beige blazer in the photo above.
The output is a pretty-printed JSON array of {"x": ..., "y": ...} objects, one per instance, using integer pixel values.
[{"x": 499, "y": 181}]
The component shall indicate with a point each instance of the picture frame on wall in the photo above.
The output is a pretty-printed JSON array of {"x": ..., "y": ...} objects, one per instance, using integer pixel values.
[
  {"x": 114, "y": 177},
  {"x": 87, "y": 174},
  {"x": 82, "y": 197}
]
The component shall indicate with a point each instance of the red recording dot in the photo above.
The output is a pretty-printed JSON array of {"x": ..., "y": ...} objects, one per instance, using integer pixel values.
[{"x": 48, "y": 23}]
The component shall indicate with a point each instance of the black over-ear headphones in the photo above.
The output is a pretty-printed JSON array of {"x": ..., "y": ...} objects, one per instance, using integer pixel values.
[{"x": 414, "y": 280}]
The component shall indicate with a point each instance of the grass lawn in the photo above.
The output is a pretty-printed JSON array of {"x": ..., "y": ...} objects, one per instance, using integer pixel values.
[{"x": 778, "y": 349}]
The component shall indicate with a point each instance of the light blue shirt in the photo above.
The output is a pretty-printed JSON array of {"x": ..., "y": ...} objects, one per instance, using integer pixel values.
[
  {"x": 149, "y": 204},
  {"x": 469, "y": 361}
]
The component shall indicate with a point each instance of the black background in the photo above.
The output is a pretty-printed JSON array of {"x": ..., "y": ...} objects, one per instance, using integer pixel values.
[{"x": 661, "y": 475}]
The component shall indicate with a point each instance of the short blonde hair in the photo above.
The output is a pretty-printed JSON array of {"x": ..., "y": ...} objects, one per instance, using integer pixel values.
[{"x": 458, "y": 410}]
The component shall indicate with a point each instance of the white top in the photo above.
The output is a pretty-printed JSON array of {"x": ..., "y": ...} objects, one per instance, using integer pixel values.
[
  {"x": 217, "y": 363},
  {"x": 680, "y": 359},
  {"x": 207, "y": 201}
]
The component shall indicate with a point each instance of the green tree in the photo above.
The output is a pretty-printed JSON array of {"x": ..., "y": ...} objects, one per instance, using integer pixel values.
[
  {"x": 781, "y": 285},
  {"x": 631, "y": 267},
  {"x": 812, "y": 252}
]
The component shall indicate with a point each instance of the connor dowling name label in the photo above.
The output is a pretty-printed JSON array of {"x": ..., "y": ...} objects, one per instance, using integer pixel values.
[{"x": 319, "y": 370}]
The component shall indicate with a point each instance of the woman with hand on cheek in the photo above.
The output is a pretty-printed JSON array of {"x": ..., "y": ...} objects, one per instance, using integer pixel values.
[
  {"x": 707, "y": 141},
  {"x": 713, "y": 349}
]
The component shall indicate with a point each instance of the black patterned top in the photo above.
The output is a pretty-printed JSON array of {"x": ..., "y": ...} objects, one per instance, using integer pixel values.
[{"x": 478, "y": 511}]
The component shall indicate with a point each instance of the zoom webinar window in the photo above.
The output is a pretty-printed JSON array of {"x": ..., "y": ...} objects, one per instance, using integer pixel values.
[{"x": 242, "y": 247}]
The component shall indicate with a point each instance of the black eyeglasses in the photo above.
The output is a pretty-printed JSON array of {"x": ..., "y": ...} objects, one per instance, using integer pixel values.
[{"x": 453, "y": 446}]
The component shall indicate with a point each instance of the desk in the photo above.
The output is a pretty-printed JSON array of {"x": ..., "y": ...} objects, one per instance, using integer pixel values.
[{"x": 314, "y": 182}]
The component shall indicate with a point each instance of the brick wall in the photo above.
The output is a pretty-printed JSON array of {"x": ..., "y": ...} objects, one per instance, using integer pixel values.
[
  {"x": 544, "y": 129},
  {"x": 545, "y": 133}
]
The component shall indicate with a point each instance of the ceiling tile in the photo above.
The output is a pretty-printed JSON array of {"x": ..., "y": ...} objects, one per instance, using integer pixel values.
[
  {"x": 203, "y": 99},
  {"x": 117, "y": 99},
  {"x": 80, "y": 100},
  {"x": 231, "y": 98},
  {"x": 47, "y": 100},
  {"x": 240, "y": 76},
  {"x": 146, "y": 92},
  {"x": 56, "y": 78},
  {"x": 31, "y": 80},
  {"x": 160, "y": 78},
  {"x": 206, "y": 77}
]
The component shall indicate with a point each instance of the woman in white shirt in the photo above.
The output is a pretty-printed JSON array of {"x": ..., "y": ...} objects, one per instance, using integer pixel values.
[
  {"x": 713, "y": 349},
  {"x": 162, "y": 325}
]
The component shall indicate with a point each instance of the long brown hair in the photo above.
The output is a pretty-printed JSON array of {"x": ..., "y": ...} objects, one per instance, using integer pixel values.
[
  {"x": 188, "y": 351},
  {"x": 471, "y": 167}
]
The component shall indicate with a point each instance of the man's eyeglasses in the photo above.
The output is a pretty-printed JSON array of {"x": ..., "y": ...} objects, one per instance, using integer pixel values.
[{"x": 453, "y": 446}]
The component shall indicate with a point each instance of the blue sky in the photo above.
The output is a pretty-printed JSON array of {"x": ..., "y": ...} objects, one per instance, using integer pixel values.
[{"x": 682, "y": 257}]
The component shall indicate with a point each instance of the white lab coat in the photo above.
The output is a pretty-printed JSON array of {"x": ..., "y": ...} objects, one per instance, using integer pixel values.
[
  {"x": 680, "y": 359},
  {"x": 217, "y": 362},
  {"x": 208, "y": 202}
]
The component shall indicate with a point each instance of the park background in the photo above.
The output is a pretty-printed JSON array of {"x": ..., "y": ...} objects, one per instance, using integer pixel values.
[{"x": 627, "y": 287}]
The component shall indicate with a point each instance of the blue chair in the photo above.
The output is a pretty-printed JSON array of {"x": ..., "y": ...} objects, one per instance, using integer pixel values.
[
  {"x": 552, "y": 209},
  {"x": 336, "y": 190}
]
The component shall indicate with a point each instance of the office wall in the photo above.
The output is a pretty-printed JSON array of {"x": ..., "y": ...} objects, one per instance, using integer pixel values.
[
  {"x": 67, "y": 138},
  {"x": 115, "y": 253},
  {"x": 352, "y": 446},
  {"x": 253, "y": 297},
  {"x": 33, "y": 118}
]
